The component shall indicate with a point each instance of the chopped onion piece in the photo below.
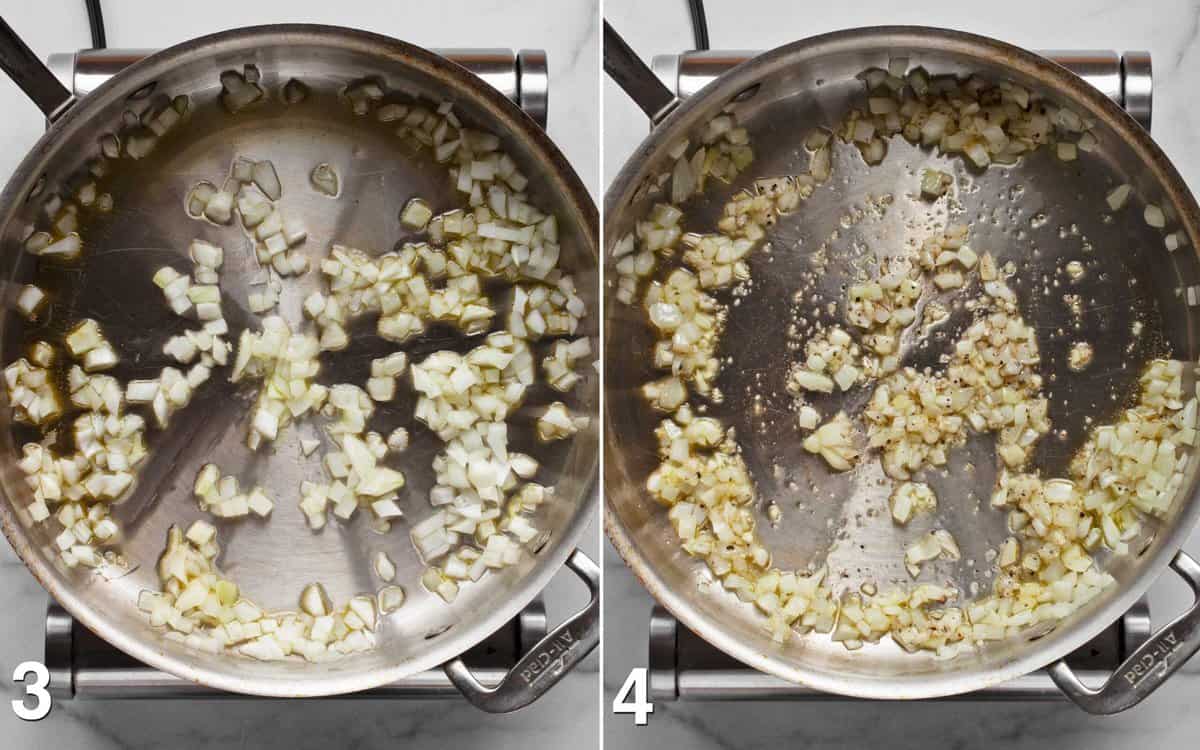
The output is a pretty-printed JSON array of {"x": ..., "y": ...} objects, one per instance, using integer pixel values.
[
  {"x": 390, "y": 599},
  {"x": 1154, "y": 216},
  {"x": 294, "y": 91},
  {"x": 314, "y": 600},
  {"x": 30, "y": 301},
  {"x": 67, "y": 248},
  {"x": 416, "y": 214},
  {"x": 267, "y": 180},
  {"x": 325, "y": 179},
  {"x": 237, "y": 92},
  {"x": 1117, "y": 196},
  {"x": 219, "y": 208},
  {"x": 384, "y": 567}
]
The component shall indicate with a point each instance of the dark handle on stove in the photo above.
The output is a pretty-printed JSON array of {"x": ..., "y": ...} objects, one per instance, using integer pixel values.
[
  {"x": 629, "y": 72},
  {"x": 1149, "y": 665},
  {"x": 30, "y": 75},
  {"x": 547, "y": 662}
]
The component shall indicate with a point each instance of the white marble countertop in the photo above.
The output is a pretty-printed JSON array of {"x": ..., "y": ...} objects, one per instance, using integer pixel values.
[
  {"x": 1170, "y": 29},
  {"x": 568, "y": 31}
]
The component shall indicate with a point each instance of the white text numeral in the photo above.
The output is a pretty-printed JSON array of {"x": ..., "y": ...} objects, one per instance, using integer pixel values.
[
  {"x": 641, "y": 708},
  {"x": 36, "y": 689}
]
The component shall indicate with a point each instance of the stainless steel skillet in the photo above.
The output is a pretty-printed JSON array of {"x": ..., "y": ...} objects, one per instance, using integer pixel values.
[
  {"x": 148, "y": 226},
  {"x": 1037, "y": 214}
]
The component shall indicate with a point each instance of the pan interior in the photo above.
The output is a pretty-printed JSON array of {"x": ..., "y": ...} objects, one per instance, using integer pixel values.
[
  {"x": 1040, "y": 214},
  {"x": 148, "y": 228}
]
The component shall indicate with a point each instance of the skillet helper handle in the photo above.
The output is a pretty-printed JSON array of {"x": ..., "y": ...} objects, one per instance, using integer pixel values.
[
  {"x": 30, "y": 75},
  {"x": 629, "y": 72},
  {"x": 1150, "y": 664},
  {"x": 547, "y": 662}
]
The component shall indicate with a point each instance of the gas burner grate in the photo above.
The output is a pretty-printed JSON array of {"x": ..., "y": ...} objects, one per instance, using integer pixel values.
[
  {"x": 82, "y": 665},
  {"x": 684, "y": 667}
]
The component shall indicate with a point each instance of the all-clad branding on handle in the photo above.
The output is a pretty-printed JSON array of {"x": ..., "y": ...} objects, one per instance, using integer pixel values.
[
  {"x": 549, "y": 659},
  {"x": 1149, "y": 666},
  {"x": 1157, "y": 660}
]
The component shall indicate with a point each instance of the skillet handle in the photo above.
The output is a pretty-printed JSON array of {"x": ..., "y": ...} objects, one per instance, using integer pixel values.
[
  {"x": 629, "y": 72},
  {"x": 1149, "y": 665},
  {"x": 547, "y": 662},
  {"x": 30, "y": 75}
]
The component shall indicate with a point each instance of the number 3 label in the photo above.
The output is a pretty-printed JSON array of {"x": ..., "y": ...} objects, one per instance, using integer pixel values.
[
  {"x": 641, "y": 709},
  {"x": 36, "y": 689}
]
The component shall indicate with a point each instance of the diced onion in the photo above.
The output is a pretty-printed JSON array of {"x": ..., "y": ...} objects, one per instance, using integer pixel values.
[{"x": 325, "y": 179}]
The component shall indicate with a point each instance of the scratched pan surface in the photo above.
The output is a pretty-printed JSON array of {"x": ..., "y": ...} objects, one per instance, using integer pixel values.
[
  {"x": 1040, "y": 214},
  {"x": 148, "y": 227}
]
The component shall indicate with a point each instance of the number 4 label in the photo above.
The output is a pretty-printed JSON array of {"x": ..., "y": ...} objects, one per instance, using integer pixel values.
[
  {"x": 35, "y": 689},
  {"x": 639, "y": 706}
]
